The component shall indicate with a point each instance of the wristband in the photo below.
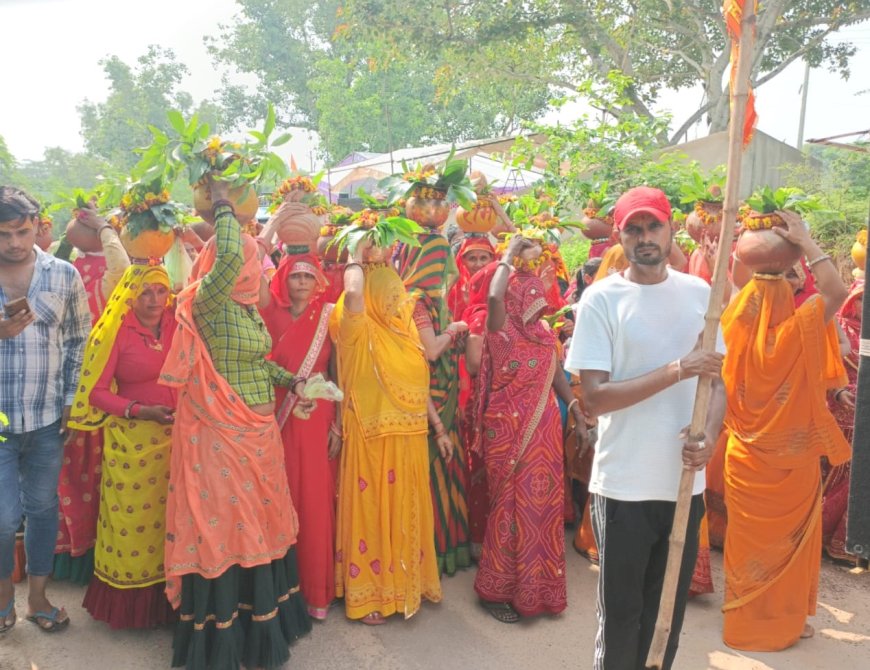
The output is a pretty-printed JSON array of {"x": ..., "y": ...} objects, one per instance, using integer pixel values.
[
  {"x": 572, "y": 403},
  {"x": 679, "y": 370},
  {"x": 223, "y": 203},
  {"x": 507, "y": 265},
  {"x": 128, "y": 411}
]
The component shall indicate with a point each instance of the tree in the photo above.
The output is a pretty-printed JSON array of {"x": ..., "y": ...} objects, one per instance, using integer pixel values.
[
  {"x": 657, "y": 44},
  {"x": 138, "y": 97},
  {"x": 359, "y": 93},
  {"x": 8, "y": 173}
]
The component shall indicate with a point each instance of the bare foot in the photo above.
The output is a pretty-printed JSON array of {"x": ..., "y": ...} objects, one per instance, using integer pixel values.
[{"x": 808, "y": 632}]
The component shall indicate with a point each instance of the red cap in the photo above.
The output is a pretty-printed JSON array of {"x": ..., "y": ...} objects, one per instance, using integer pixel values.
[{"x": 641, "y": 200}]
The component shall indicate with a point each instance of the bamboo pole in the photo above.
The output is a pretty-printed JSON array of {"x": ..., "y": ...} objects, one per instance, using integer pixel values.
[{"x": 677, "y": 541}]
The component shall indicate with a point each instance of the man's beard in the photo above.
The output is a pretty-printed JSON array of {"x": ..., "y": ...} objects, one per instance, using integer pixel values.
[{"x": 651, "y": 260}]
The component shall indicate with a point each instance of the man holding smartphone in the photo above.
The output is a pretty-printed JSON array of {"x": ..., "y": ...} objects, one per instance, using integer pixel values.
[{"x": 44, "y": 325}]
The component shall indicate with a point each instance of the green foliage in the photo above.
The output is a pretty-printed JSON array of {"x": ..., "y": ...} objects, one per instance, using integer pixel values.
[
  {"x": 572, "y": 46},
  {"x": 187, "y": 146},
  {"x": 701, "y": 187},
  {"x": 575, "y": 252},
  {"x": 383, "y": 234},
  {"x": 361, "y": 90},
  {"x": 8, "y": 167},
  {"x": 138, "y": 99},
  {"x": 451, "y": 179},
  {"x": 766, "y": 201}
]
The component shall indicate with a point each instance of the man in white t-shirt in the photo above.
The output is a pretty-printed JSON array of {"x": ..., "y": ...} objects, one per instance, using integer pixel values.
[{"x": 635, "y": 346}]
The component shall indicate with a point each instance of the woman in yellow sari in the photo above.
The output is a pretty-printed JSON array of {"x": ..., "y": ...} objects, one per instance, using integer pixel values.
[
  {"x": 385, "y": 549},
  {"x": 119, "y": 395}
]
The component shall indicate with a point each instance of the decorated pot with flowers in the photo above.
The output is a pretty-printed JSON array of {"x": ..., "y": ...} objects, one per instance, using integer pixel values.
[
  {"x": 79, "y": 235},
  {"x": 704, "y": 195},
  {"x": 482, "y": 216},
  {"x": 243, "y": 198},
  {"x": 429, "y": 191},
  {"x": 859, "y": 250},
  {"x": 146, "y": 220},
  {"x": 597, "y": 219},
  {"x": 382, "y": 227},
  {"x": 300, "y": 227},
  {"x": 759, "y": 246},
  {"x": 339, "y": 217},
  {"x": 189, "y": 145}
]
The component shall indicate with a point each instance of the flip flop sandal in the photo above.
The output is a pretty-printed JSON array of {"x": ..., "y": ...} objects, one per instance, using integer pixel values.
[
  {"x": 4, "y": 614},
  {"x": 55, "y": 627},
  {"x": 502, "y": 612}
]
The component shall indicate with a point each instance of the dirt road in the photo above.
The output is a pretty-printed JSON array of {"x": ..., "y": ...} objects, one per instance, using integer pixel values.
[{"x": 458, "y": 634}]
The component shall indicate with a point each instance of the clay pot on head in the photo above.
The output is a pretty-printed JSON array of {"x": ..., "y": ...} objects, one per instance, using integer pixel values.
[
  {"x": 330, "y": 253},
  {"x": 697, "y": 227},
  {"x": 83, "y": 238},
  {"x": 479, "y": 219},
  {"x": 764, "y": 250},
  {"x": 147, "y": 244},
  {"x": 378, "y": 254},
  {"x": 428, "y": 212},
  {"x": 595, "y": 228},
  {"x": 859, "y": 255},
  {"x": 244, "y": 200}
]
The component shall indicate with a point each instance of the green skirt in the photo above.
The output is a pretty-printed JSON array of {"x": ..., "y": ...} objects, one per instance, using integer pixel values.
[{"x": 247, "y": 616}]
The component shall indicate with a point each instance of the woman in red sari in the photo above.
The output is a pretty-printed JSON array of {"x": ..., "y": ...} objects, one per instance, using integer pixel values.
[
  {"x": 298, "y": 321},
  {"x": 475, "y": 316},
  {"x": 841, "y": 402},
  {"x": 522, "y": 566}
]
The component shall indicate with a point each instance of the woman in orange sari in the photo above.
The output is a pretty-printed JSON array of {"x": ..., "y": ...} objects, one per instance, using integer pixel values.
[
  {"x": 230, "y": 521},
  {"x": 778, "y": 367},
  {"x": 298, "y": 321},
  {"x": 385, "y": 561}
]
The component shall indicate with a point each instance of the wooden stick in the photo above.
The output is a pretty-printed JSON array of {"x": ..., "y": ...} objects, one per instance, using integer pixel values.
[{"x": 677, "y": 541}]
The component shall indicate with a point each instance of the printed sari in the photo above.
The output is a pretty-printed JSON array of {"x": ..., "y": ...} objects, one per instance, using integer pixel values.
[
  {"x": 478, "y": 494},
  {"x": 778, "y": 367},
  {"x": 523, "y": 559},
  {"x": 127, "y": 588},
  {"x": 835, "y": 494},
  {"x": 385, "y": 559},
  {"x": 426, "y": 271},
  {"x": 302, "y": 343},
  {"x": 78, "y": 487}
]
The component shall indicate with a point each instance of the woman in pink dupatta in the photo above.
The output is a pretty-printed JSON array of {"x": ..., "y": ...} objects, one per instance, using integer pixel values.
[
  {"x": 298, "y": 321},
  {"x": 522, "y": 566}
]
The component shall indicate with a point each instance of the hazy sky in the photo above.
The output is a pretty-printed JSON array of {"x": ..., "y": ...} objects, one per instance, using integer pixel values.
[{"x": 51, "y": 52}]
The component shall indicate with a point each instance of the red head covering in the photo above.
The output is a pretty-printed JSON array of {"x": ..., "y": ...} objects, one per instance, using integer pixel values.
[
  {"x": 292, "y": 264},
  {"x": 478, "y": 290},
  {"x": 247, "y": 288},
  {"x": 641, "y": 200},
  {"x": 808, "y": 287},
  {"x": 456, "y": 299}
]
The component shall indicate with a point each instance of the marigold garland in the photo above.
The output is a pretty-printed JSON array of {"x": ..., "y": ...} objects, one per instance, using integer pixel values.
[
  {"x": 706, "y": 218},
  {"x": 429, "y": 193},
  {"x": 531, "y": 265},
  {"x": 752, "y": 220}
]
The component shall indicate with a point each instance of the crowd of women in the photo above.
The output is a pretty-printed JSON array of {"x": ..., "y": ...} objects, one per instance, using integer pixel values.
[{"x": 203, "y": 486}]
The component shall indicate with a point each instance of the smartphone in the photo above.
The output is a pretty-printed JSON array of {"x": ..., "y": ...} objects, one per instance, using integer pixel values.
[{"x": 15, "y": 306}]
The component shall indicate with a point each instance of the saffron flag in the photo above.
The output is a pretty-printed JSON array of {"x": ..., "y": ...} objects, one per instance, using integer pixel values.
[{"x": 733, "y": 11}]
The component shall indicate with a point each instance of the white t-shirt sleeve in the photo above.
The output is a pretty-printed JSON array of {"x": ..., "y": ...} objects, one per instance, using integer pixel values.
[{"x": 592, "y": 342}]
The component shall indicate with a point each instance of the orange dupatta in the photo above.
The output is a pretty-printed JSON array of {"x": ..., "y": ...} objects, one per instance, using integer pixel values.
[{"x": 229, "y": 502}]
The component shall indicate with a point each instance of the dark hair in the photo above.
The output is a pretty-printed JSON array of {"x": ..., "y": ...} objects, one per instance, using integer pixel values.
[
  {"x": 590, "y": 267},
  {"x": 16, "y": 204}
]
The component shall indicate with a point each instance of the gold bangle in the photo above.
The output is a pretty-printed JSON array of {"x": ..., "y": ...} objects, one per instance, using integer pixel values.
[{"x": 823, "y": 257}]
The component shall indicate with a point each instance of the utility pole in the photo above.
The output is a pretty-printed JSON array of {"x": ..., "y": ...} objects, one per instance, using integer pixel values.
[{"x": 804, "y": 88}]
